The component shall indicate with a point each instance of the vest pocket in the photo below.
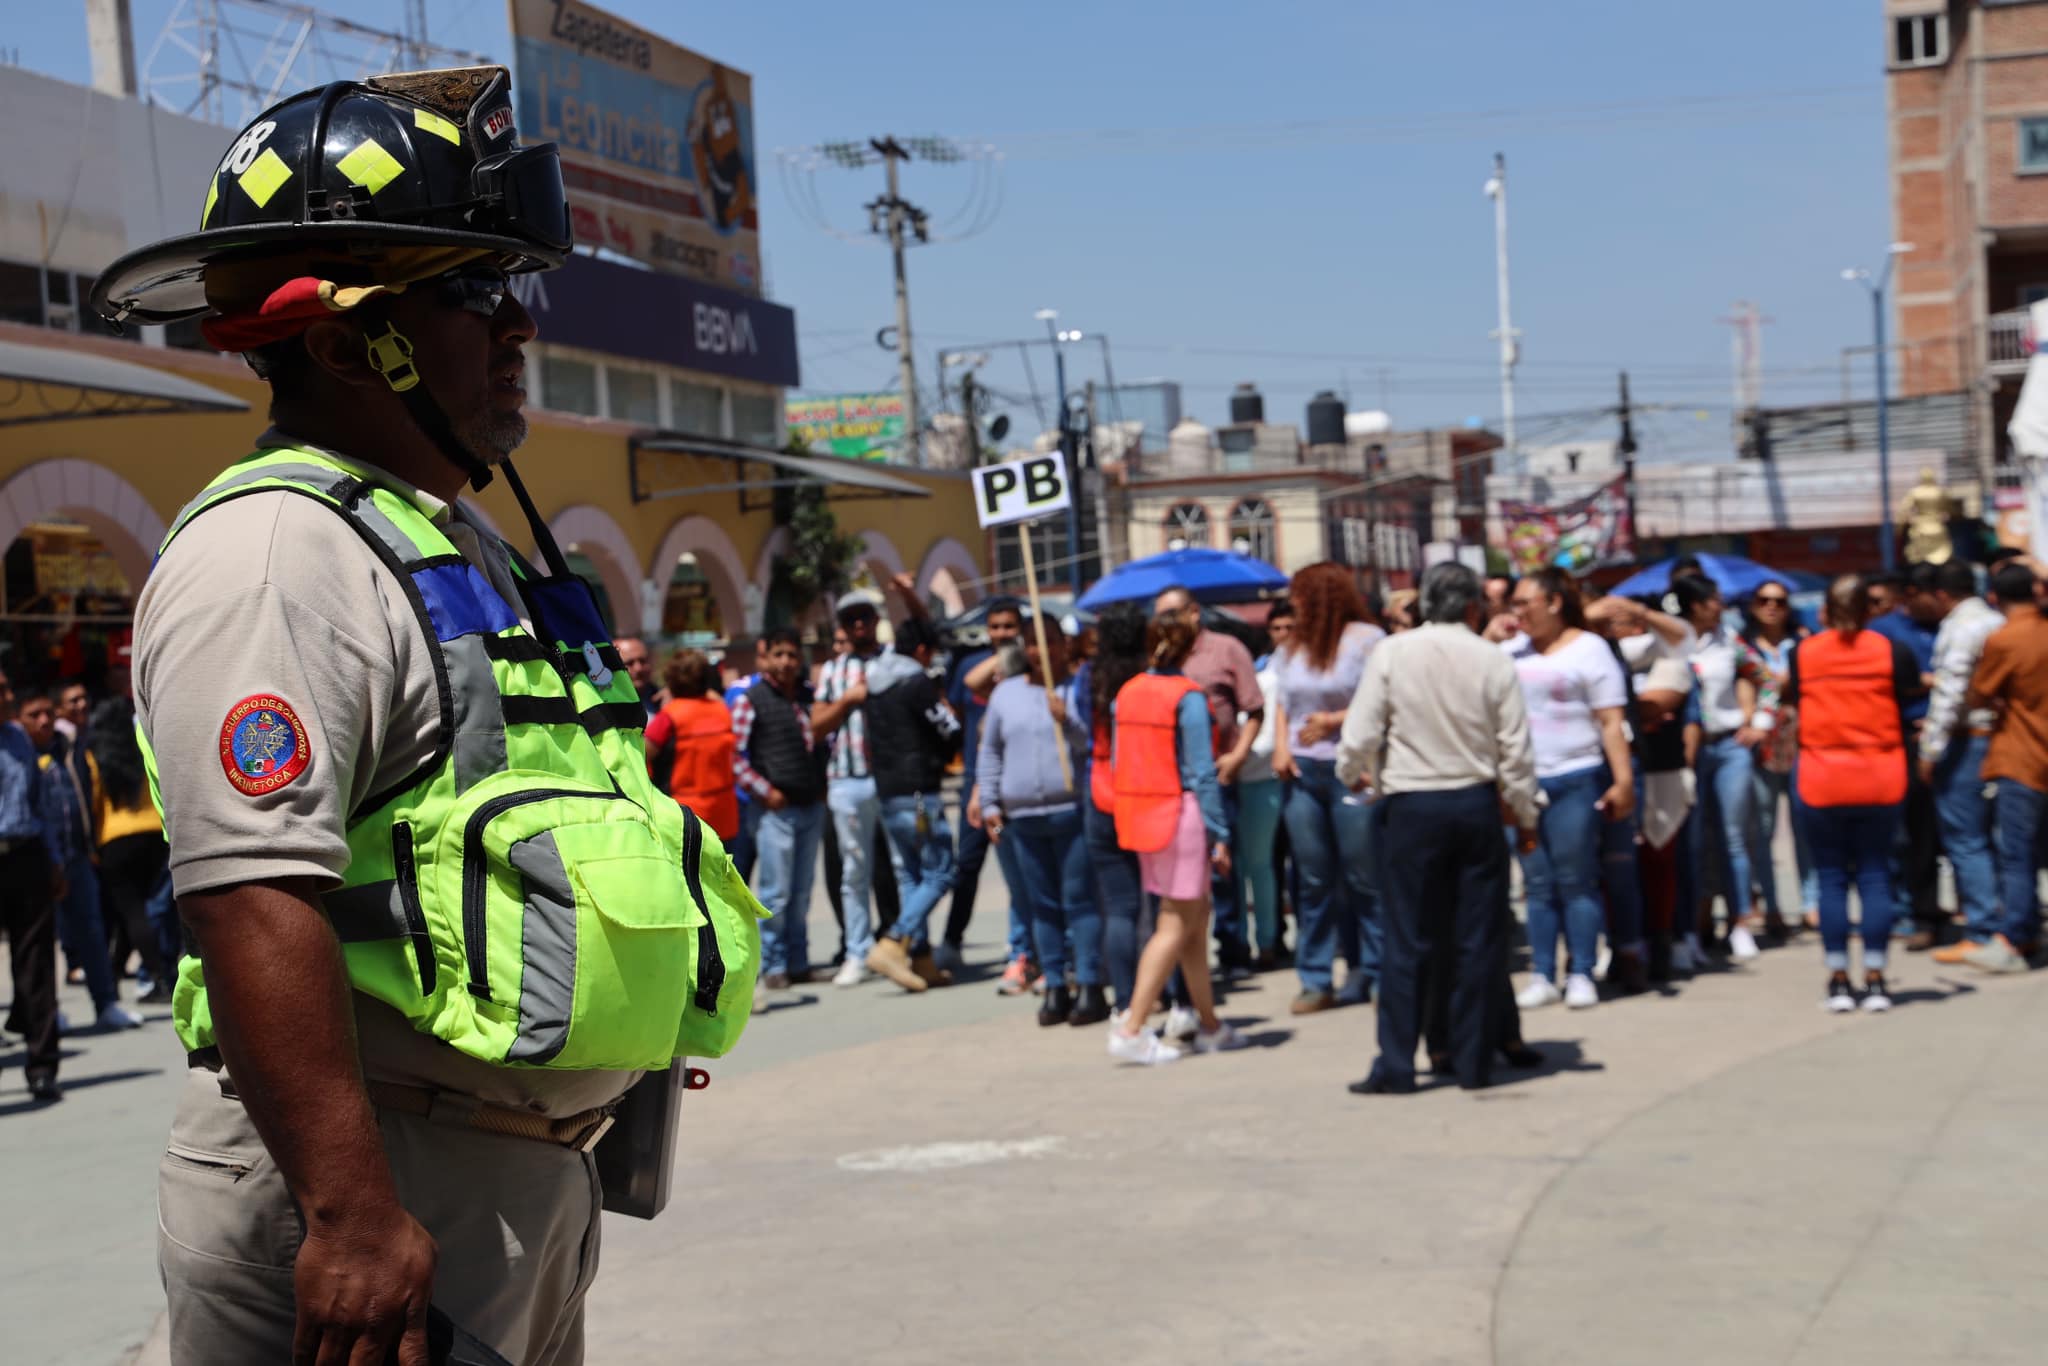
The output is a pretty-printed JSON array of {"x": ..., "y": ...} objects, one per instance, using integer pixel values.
[{"x": 576, "y": 933}]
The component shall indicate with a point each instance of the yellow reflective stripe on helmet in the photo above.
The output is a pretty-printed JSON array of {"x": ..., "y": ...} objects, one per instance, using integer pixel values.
[
  {"x": 370, "y": 166},
  {"x": 438, "y": 126},
  {"x": 212, "y": 194},
  {"x": 261, "y": 180}
]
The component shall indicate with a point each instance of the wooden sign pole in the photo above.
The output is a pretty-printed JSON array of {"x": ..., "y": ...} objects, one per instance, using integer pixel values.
[{"x": 1044, "y": 658}]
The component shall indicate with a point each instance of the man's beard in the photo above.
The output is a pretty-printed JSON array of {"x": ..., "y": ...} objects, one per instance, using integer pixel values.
[{"x": 492, "y": 436}]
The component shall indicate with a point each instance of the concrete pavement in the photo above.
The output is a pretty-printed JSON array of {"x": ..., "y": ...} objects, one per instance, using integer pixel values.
[{"x": 1724, "y": 1174}]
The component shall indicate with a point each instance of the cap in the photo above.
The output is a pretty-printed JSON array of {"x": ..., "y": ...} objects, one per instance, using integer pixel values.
[{"x": 855, "y": 600}]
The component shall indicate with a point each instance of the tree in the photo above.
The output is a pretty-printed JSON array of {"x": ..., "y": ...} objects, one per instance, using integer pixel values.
[{"x": 815, "y": 565}]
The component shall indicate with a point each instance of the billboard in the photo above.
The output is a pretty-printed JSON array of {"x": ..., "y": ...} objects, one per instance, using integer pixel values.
[
  {"x": 1594, "y": 531},
  {"x": 622, "y": 310},
  {"x": 858, "y": 426},
  {"x": 657, "y": 141}
]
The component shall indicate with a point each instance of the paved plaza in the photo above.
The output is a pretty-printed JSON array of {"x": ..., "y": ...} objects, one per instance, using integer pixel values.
[{"x": 1724, "y": 1173}]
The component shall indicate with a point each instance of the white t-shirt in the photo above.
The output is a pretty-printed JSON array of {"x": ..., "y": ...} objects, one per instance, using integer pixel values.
[{"x": 1563, "y": 689}]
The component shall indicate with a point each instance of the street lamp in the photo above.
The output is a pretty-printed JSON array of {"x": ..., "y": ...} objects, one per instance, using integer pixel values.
[
  {"x": 1876, "y": 286},
  {"x": 1051, "y": 318}
]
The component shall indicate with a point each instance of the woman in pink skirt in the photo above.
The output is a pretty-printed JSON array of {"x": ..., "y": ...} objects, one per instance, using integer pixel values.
[{"x": 1169, "y": 810}]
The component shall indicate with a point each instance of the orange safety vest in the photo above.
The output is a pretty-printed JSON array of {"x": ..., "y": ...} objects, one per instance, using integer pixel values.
[
  {"x": 1145, "y": 773},
  {"x": 700, "y": 774},
  {"x": 1852, "y": 751}
]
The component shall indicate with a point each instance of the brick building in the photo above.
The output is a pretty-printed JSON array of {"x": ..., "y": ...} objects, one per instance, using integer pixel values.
[{"x": 1967, "y": 94}]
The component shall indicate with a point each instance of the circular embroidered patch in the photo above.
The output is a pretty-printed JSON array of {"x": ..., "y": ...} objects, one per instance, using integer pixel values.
[{"x": 263, "y": 744}]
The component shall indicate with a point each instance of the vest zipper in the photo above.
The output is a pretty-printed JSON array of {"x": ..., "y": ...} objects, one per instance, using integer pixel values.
[
  {"x": 407, "y": 878},
  {"x": 710, "y": 958},
  {"x": 475, "y": 873}
]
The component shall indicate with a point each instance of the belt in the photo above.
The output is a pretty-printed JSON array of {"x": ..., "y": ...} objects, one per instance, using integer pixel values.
[{"x": 578, "y": 1132}]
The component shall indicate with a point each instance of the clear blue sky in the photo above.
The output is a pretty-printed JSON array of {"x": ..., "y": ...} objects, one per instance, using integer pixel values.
[{"x": 1305, "y": 178}]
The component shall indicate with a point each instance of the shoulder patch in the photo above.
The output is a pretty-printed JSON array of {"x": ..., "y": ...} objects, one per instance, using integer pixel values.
[{"x": 263, "y": 745}]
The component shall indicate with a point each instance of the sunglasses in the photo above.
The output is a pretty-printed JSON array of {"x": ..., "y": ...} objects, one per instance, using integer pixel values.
[
  {"x": 1771, "y": 602},
  {"x": 475, "y": 289}
]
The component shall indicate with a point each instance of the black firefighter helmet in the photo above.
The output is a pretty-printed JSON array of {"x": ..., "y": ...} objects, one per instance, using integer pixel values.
[{"x": 385, "y": 180}]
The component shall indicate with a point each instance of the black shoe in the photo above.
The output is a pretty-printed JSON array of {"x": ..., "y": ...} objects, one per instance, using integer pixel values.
[
  {"x": 1058, "y": 1005},
  {"x": 1378, "y": 1083},
  {"x": 1628, "y": 975},
  {"x": 1091, "y": 1006},
  {"x": 43, "y": 1088},
  {"x": 1660, "y": 959},
  {"x": 1520, "y": 1054}
]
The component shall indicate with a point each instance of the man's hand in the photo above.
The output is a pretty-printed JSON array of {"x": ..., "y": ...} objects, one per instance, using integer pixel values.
[
  {"x": 974, "y": 807},
  {"x": 1284, "y": 768},
  {"x": 994, "y": 825},
  {"x": 1228, "y": 767},
  {"x": 363, "y": 1284},
  {"x": 1927, "y": 772},
  {"x": 776, "y": 799},
  {"x": 1618, "y": 802},
  {"x": 1219, "y": 859},
  {"x": 1057, "y": 705}
]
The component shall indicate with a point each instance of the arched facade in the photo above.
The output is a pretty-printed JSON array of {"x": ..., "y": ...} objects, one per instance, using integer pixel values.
[
  {"x": 949, "y": 572},
  {"x": 881, "y": 556},
  {"x": 591, "y": 532},
  {"x": 93, "y": 495},
  {"x": 716, "y": 555}
]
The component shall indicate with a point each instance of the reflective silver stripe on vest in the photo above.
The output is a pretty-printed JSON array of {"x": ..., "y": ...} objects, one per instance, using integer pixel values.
[
  {"x": 547, "y": 987},
  {"x": 366, "y": 913},
  {"x": 374, "y": 520},
  {"x": 331, "y": 482},
  {"x": 479, "y": 712}
]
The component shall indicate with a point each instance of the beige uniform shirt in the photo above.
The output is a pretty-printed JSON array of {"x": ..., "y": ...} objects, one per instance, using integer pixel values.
[
  {"x": 273, "y": 593},
  {"x": 1440, "y": 708}
]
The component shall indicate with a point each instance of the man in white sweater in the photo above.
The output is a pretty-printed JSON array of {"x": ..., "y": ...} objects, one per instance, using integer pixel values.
[{"x": 1439, "y": 734}]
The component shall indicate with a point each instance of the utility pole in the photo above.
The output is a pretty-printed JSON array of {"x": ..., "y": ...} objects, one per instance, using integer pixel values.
[
  {"x": 1102, "y": 551},
  {"x": 1626, "y": 447},
  {"x": 1051, "y": 318},
  {"x": 1510, "y": 340},
  {"x": 1887, "y": 552},
  {"x": 891, "y": 214}
]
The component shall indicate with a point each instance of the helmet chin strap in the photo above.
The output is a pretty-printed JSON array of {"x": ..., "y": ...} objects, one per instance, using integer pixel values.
[{"x": 391, "y": 356}]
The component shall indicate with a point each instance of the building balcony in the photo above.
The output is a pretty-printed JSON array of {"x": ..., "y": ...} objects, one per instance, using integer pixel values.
[{"x": 2009, "y": 343}]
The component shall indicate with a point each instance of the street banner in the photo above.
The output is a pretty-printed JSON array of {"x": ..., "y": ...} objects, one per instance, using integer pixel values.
[
  {"x": 1021, "y": 490},
  {"x": 657, "y": 141},
  {"x": 856, "y": 426},
  {"x": 1587, "y": 534}
]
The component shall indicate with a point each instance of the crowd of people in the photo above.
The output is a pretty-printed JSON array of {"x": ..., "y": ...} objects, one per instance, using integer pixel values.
[{"x": 1348, "y": 802}]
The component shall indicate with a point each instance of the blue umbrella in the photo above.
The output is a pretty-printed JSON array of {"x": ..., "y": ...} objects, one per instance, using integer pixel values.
[
  {"x": 1210, "y": 575},
  {"x": 1735, "y": 576}
]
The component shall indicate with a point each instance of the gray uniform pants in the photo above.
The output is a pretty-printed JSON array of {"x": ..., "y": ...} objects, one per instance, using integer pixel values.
[{"x": 516, "y": 1220}]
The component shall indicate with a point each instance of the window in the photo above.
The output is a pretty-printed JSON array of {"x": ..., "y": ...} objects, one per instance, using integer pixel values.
[
  {"x": 1187, "y": 523},
  {"x": 568, "y": 386},
  {"x": 2033, "y": 152},
  {"x": 1251, "y": 528},
  {"x": 1920, "y": 40},
  {"x": 696, "y": 408},
  {"x": 21, "y": 294},
  {"x": 632, "y": 395},
  {"x": 754, "y": 418}
]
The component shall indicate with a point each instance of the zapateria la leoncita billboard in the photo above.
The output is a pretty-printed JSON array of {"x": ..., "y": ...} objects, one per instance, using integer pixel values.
[{"x": 657, "y": 141}]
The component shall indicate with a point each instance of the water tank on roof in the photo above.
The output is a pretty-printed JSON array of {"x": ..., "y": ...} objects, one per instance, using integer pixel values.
[
  {"x": 1187, "y": 449},
  {"x": 1373, "y": 422},
  {"x": 1246, "y": 405},
  {"x": 1326, "y": 420}
]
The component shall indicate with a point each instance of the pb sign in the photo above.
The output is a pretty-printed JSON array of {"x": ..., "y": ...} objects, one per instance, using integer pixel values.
[{"x": 1020, "y": 490}]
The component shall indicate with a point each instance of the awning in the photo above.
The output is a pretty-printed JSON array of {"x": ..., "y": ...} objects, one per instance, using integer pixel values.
[
  {"x": 761, "y": 469},
  {"x": 56, "y": 384}
]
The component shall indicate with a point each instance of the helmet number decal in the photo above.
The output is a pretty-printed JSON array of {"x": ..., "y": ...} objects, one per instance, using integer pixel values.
[{"x": 248, "y": 147}]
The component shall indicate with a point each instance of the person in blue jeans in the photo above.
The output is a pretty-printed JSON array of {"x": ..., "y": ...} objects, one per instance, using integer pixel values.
[
  {"x": 1328, "y": 828},
  {"x": 775, "y": 762},
  {"x": 1119, "y": 657},
  {"x": 2012, "y": 677},
  {"x": 911, "y": 734},
  {"x": 1954, "y": 740},
  {"x": 1030, "y": 806},
  {"x": 1576, "y": 695},
  {"x": 1728, "y": 674}
]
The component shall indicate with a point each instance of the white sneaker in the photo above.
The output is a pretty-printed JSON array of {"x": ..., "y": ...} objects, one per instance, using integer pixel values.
[
  {"x": 851, "y": 973},
  {"x": 1181, "y": 1023},
  {"x": 1224, "y": 1040},
  {"x": 1875, "y": 997},
  {"x": 1580, "y": 993},
  {"x": 1684, "y": 955},
  {"x": 1742, "y": 945},
  {"x": 1540, "y": 992},
  {"x": 1143, "y": 1048},
  {"x": 118, "y": 1016}
]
